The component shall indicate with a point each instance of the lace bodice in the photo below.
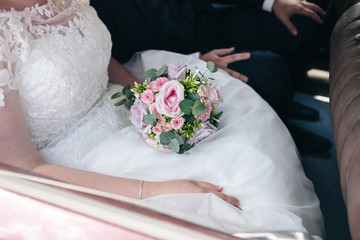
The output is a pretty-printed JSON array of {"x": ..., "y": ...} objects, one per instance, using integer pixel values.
[{"x": 57, "y": 60}]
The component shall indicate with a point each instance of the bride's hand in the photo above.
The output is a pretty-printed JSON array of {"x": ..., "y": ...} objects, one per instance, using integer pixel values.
[
  {"x": 151, "y": 189},
  {"x": 223, "y": 57}
]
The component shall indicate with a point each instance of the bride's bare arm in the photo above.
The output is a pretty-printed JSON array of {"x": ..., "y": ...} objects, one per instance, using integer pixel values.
[
  {"x": 118, "y": 74},
  {"x": 17, "y": 149}
]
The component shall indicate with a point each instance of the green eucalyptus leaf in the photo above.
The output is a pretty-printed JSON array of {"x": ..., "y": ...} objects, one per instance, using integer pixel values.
[
  {"x": 218, "y": 115},
  {"x": 184, "y": 148},
  {"x": 186, "y": 105},
  {"x": 129, "y": 94},
  {"x": 165, "y": 138},
  {"x": 199, "y": 108},
  {"x": 211, "y": 66},
  {"x": 161, "y": 71},
  {"x": 178, "y": 138},
  {"x": 120, "y": 102},
  {"x": 129, "y": 103},
  {"x": 174, "y": 145},
  {"x": 193, "y": 96},
  {"x": 215, "y": 123},
  {"x": 150, "y": 118},
  {"x": 151, "y": 73},
  {"x": 116, "y": 95},
  {"x": 126, "y": 88},
  {"x": 189, "y": 118}
]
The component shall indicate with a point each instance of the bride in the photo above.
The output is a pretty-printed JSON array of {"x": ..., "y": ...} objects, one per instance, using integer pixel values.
[{"x": 57, "y": 119}]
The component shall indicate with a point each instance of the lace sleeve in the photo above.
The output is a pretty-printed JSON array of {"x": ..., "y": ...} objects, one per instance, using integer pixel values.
[{"x": 12, "y": 44}]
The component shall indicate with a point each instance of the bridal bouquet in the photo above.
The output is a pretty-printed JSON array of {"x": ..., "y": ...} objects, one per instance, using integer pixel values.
[{"x": 174, "y": 109}]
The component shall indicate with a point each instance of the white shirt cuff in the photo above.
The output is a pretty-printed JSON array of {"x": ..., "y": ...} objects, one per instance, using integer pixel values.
[{"x": 267, "y": 5}]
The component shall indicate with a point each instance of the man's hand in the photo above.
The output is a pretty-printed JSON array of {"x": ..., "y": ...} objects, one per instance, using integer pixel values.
[
  {"x": 221, "y": 61},
  {"x": 285, "y": 9}
]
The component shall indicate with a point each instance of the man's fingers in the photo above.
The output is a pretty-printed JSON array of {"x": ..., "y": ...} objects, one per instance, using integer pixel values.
[
  {"x": 237, "y": 75},
  {"x": 290, "y": 26},
  {"x": 314, "y": 7},
  {"x": 224, "y": 51},
  {"x": 310, "y": 13},
  {"x": 235, "y": 57}
]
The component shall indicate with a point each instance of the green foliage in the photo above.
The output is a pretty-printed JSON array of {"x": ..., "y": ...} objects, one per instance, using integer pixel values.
[
  {"x": 149, "y": 118},
  {"x": 116, "y": 95},
  {"x": 121, "y": 102},
  {"x": 211, "y": 66},
  {"x": 198, "y": 108},
  {"x": 151, "y": 73},
  {"x": 193, "y": 96},
  {"x": 125, "y": 88},
  {"x": 129, "y": 94},
  {"x": 174, "y": 145},
  {"x": 161, "y": 71},
  {"x": 165, "y": 138},
  {"x": 128, "y": 104},
  {"x": 154, "y": 74},
  {"x": 189, "y": 118},
  {"x": 185, "y": 147},
  {"x": 128, "y": 101},
  {"x": 214, "y": 119},
  {"x": 186, "y": 106},
  {"x": 171, "y": 139}
]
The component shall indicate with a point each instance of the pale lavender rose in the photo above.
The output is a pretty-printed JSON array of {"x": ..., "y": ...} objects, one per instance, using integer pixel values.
[
  {"x": 204, "y": 117},
  {"x": 202, "y": 91},
  {"x": 177, "y": 122},
  {"x": 168, "y": 99},
  {"x": 137, "y": 113},
  {"x": 158, "y": 83},
  {"x": 214, "y": 93},
  {"x": 147, "y": 97},
  {"x": 176, "y": 71},
  {"x": 204, "y": 132}
]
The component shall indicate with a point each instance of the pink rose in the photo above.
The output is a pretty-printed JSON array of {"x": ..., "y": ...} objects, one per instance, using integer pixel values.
[
  {"x": 205, "y": 116},
  {"x": 214, "y": 93},
  {"x": 147, "y": 97},
  {"x": 161, "y": 121},
  {"x": 203, "y": 133},
  {"x": 177, "y": 122},
  {"x": 152, "y": 108},
  {"x": 137, "y": 113},
  {"x": 158, "y": 83},
  {"x": 168, "y": 99},
  {"x": 157, "y": 130},
  {"x": 167, "y": 127},
  {"x": 176, "y": 71}
]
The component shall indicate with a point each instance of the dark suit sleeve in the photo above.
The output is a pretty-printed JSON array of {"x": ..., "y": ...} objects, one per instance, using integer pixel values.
[{"x": 248, "y": 3}]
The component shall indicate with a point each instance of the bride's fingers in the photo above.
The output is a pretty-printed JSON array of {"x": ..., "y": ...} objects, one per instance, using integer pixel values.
[
  {"x": 233, "y": 201},
  {"x": 210, "y": 186}
]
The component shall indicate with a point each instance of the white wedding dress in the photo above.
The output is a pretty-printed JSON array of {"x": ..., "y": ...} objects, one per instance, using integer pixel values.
[{"x": 57, "y": 60}]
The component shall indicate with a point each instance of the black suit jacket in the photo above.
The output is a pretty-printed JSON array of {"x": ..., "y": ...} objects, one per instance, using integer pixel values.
[{"x": 174, "y": 25}]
